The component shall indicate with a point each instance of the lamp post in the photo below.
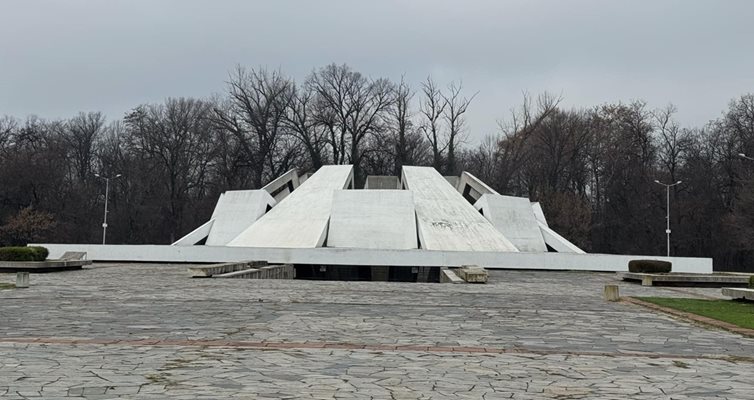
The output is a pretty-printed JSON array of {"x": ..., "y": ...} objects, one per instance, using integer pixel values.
[
  {"x": 107, "y": 194},
  {"x": 667, "y": 207}
]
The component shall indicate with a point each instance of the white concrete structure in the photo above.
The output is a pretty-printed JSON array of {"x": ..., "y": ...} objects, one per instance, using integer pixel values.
[
  {"x": 422, "y": 220},
  {"x": 331, "y": 256},
  {"x": 445, "y": 221},
  {"x": 514, "y": 217},
  {"x": 284, "y": 185},
  {"x": 235, "y": 211},
  {"x": 300, "y": 220},
  {"x": 472, "y": 188},
  {"x": 538, "y": 212},
  {"x": 372, "y": 219},
  {"x": 197, "y": 236},
  {"x": 557, "y": 242}
]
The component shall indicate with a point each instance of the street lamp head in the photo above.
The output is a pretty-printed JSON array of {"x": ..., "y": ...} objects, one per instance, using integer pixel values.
[
  {"x": 678, "y": 183},
  {"x": 742, "y": 155},
  {"x": 97, "y": 175},
  {"x": 656, "y": 181},
  {"x": 118, "y": 176}
]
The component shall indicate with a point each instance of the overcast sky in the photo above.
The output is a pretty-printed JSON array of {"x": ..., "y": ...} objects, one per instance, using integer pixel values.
[{"x": 61, "y": 57}]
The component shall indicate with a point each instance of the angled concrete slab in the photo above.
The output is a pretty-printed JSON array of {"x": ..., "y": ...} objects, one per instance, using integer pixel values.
[
  {"x": 196, "y": 236},
  {"x": 235, "y": 211},
  {"x": 472, "y": 188},
  {"x": 557, "y": 242},
  {"x": 538, "y": 212},
  {"x": 300, "y": 220},
  {"x": 452, "y": 179},
  {"x": 515, "y": 219},
  {"x": 284, "y": 185},
  {"x": 445, "y": 220},
  {"x": 373, "y": 219}
]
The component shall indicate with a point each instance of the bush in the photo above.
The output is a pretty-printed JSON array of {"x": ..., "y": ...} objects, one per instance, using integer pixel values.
[
  {"x": 751, "y": 282},
  {"x": 41, "y": 252},
  {"x": 27, "y": 226},
  {"x": 649, "y": 266},
  {"x": 33, "y": 253}
]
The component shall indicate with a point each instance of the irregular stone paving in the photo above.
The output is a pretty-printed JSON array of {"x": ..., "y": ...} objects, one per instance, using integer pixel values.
[{"x": 149, "y": 331}]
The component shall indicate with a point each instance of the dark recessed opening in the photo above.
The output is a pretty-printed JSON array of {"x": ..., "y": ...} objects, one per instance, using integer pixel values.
[{"x": 367, "y": 273}]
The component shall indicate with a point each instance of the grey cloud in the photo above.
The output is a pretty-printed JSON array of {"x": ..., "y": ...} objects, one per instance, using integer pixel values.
[{"x": 61, "y": 57}]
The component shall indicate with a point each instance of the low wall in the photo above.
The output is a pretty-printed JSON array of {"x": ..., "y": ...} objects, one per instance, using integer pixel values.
[
  {"x": 373, "y": 257},
  {"x": 285, "y": 271}
]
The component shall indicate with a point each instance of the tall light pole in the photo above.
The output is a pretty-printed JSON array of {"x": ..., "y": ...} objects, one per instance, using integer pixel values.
[
  {"x": 107, "y": 194},
  {"x": 667, "y": 207}
]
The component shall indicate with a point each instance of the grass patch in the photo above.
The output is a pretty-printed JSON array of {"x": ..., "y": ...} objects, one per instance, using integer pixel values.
[
  {"x": 7, "y": 286},
  {"x": 738, "y": 313}
]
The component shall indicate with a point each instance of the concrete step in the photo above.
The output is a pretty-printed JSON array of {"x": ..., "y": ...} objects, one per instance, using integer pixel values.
[
  {"x": 206, "y": 271},
  {"x": 473, "y": 274},
  {"x": 448, "y": 276},
  {"x": 284, "y": 271},
  {"x": 251, "y": 273}
]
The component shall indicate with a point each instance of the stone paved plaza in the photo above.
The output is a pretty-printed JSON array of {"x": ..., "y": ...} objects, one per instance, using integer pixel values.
[{"x": 149, "y": 331}]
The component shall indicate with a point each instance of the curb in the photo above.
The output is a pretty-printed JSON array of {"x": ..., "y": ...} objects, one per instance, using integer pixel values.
[{"x": 691, "y": 317}]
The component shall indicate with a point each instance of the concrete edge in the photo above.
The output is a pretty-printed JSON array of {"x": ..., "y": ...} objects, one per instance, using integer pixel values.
[{"x": 449, "y": 276}]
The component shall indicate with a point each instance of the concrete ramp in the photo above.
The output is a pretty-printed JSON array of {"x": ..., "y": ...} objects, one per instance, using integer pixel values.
[
  {"x": 515, "y": 219},
  {"x": 301, "y": 219},
  {"x": 445, "y": 220},
  {"x": 373, "y": 219},
  {"x": 235, "y": 211}
]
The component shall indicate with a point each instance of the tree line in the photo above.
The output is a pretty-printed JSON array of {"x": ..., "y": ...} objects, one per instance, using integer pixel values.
[{"x": 593, "y": 168}]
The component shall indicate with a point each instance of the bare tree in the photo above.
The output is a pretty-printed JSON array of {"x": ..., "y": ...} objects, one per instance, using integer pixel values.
[
  {"x": 512, "y": 152},
  {"x": 175, "y": 138},
  {"x": 455, "y": 108},
  {"x": 302, "y": 121},
  {"x": 256, "y": 111},
  {"x": 432, "y": 108},
  {"x": 81, "y": 135},
  {"x": 673, "y": 141},
  {"x": 8, "y": 128},
  {"x": 352, "y": 106},
  {"x": 401, "y": 119}
]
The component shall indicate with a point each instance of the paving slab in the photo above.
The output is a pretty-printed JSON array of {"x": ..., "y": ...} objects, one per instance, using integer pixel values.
[{"x": 150, "y": 331}]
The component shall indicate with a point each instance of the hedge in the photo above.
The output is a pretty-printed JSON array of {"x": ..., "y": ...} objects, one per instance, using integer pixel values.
[
  {"x": 649, "y": 266},
  {"x": 31, "y": 253}
]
